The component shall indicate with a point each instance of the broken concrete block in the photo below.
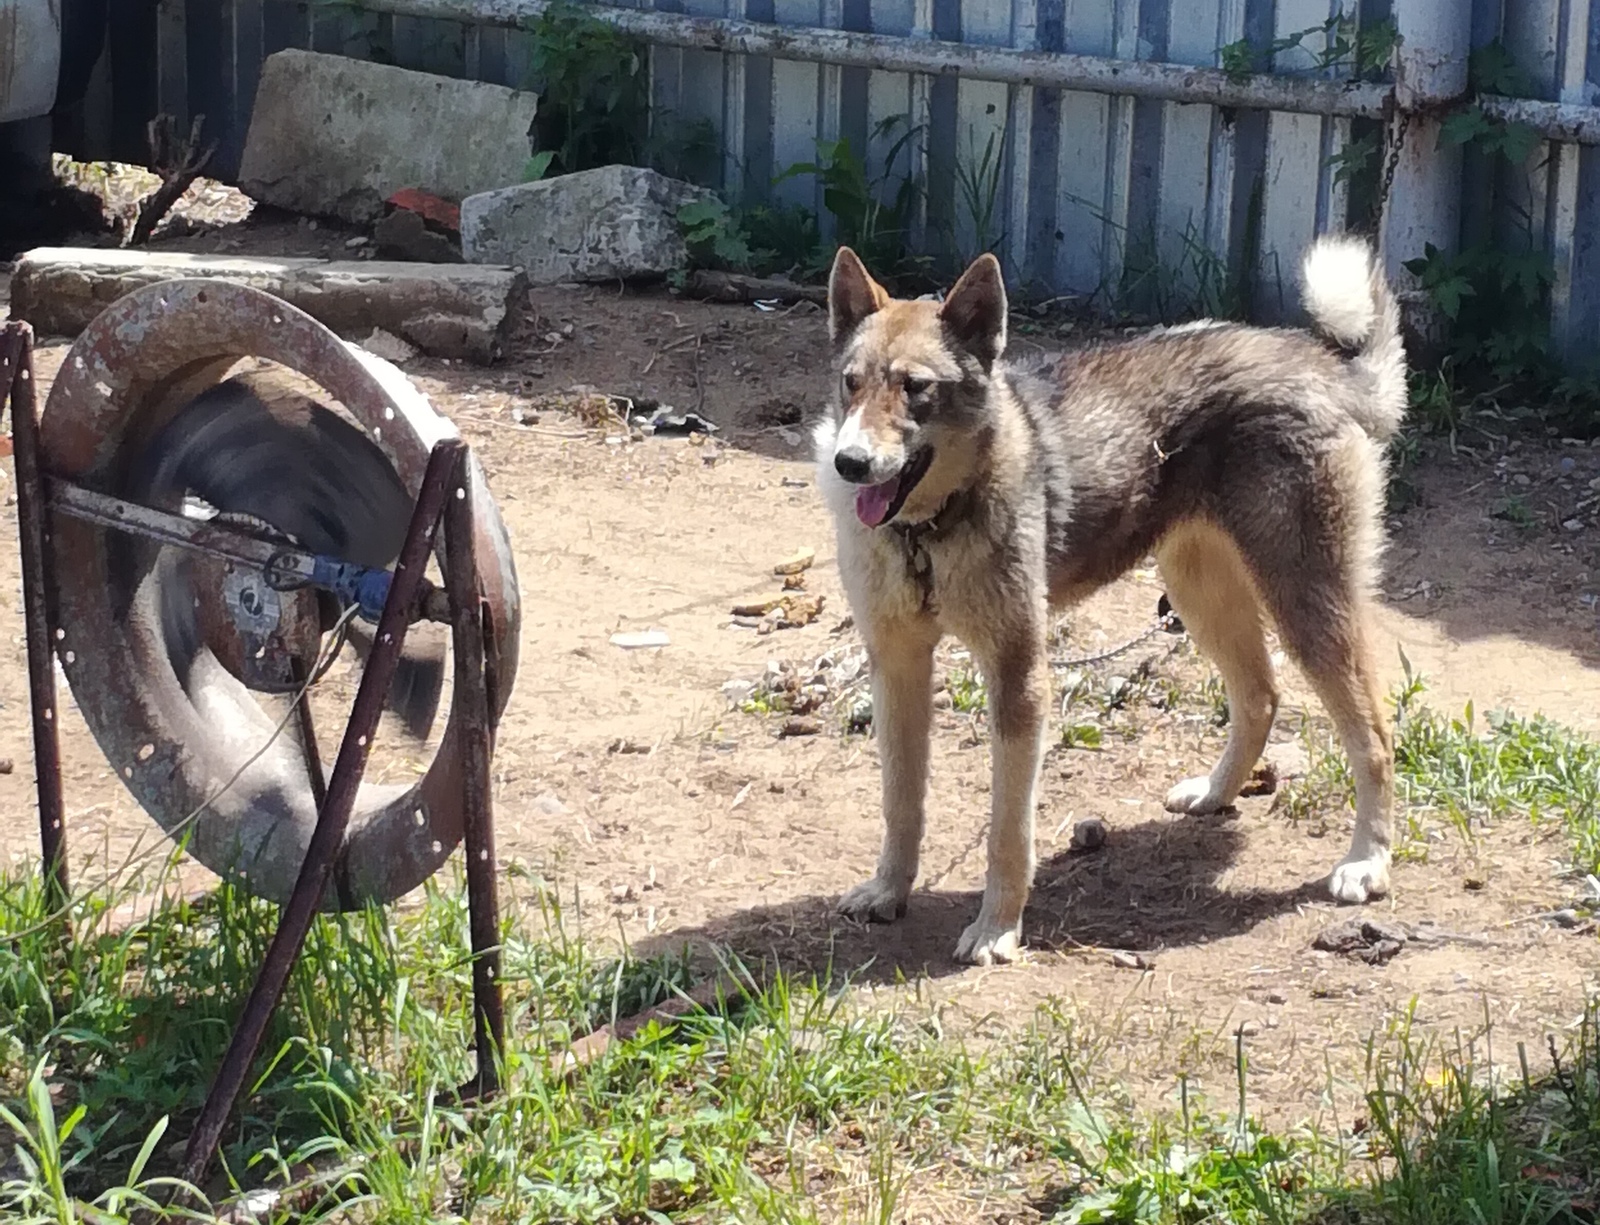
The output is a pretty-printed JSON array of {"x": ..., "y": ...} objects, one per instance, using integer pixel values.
[
  {"x": 618, "y": 222},
  {"x": 336, "y": 137},
  {"x": 445, "y": 310}
]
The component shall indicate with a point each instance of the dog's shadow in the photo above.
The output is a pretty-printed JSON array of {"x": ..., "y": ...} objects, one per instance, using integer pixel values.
[{"x": 1151, "y": 886}]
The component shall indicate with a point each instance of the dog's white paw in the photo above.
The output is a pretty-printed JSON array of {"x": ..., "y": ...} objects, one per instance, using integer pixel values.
[
  {"x": 1195, "y": 796},
  {"x": 1358, "y": 880},
  {"x": 987, "y": 943},
  {"x": 876, "y": 901}
]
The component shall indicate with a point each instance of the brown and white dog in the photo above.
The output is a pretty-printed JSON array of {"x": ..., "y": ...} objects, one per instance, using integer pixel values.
[{"x": 973, "y": 496}]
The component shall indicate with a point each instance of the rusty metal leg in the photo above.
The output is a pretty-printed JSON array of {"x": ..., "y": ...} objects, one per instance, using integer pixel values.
[
  {"x": 472, "y": 699},
  {"x": 328, "y": 837},
  {"x": 17, "y": 355},
  {"x": 308, "y": 738}
]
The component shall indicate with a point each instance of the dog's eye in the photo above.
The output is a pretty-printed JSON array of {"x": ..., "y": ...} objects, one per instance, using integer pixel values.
[
  {"x": 915, "y": 387},
  {"x": 852, "y": 383}
]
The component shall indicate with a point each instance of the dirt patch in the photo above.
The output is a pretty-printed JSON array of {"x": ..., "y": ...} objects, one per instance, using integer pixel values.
[{"x": 668, "y": 817}]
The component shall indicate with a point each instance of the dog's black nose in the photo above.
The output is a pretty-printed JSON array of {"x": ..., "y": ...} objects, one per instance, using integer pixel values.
[{"x": 853, "y": 463}]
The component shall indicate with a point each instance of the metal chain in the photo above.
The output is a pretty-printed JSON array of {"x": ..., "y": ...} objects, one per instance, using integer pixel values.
[
  {"x": 1397, "y": 142},
  {"x": 1161, "y": 623}
]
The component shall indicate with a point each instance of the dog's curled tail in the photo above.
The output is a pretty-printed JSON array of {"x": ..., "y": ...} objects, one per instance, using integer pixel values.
[{"x": 1351, "y": 305}]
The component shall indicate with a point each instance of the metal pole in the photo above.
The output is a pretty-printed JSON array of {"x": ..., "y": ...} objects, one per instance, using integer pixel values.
[
  {"x": 472, "y": 701},
  {"x": 328, "y": 837},
  {"x": 37, "y": 595},
  {"x": 1424, "y": 201}
]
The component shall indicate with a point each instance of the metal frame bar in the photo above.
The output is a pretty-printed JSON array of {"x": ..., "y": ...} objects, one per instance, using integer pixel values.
[
  {"x": 328, "y": 837},
  {"x": 1557, "y": 121},
  {"x": 33, "y": 538},
  {"x": 472, "y": 694},
  {"x": 364, "y": 585}
]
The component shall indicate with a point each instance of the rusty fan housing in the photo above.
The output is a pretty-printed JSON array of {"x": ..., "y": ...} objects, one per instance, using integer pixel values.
[{"x": 162, "y": 648}]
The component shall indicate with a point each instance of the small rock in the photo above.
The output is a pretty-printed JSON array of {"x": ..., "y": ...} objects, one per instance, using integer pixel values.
[
  {"x": 1567, "y": 918},
  {"x": 1568, "y": 463},
  {"x": 1291, "y": 760},
  {"x": 801, "y": 726},
  {"x": 623, "y": 893},
  {"x": 1474, "y": 883},
  {"x": 1248, "y": 1029},
  {"x": 1522, "y": 478},
  {"x": 943, "y": 701},
  {"x": 7, "y": 766},
  {"x": 550, "y": 805},
  {"x": 859, "y": 716},
  {"x": 524, "y": 416},
  {"x": 1277, "y": 997},
  {"x": 1572, "y": 525},
  {"x": 1131, "y": 961},
  {"x": 1089, "y": 834},
  {"x": 388, "y": 346}
]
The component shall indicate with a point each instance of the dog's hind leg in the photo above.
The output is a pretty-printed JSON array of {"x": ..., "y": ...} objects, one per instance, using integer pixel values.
[
  {"x": 1214, "y": 595},
  {"x": 1018, "y": 676},
  {"x": 1334, "y": 649},
  {"x": 902, "y": 717}
]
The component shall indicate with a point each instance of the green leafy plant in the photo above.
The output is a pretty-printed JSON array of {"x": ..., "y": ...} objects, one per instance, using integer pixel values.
[
  {"x": 872, "y": 214},
  {"x": 714, "y": 235},
  {"x": 978, "y": 181},
  {"x": 1365, "y": 51},
  {"x": 594, "y": 92}
]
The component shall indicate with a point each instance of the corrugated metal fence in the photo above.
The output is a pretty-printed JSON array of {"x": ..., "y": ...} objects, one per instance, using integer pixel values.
[{"x": 1136, "y": 200}]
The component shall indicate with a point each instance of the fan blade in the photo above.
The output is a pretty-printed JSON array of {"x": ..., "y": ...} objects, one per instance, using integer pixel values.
[
  {"x": 418, "y": 683},
  {"x": 256, "y": 445},
  {"x": 253, "y": 445}
]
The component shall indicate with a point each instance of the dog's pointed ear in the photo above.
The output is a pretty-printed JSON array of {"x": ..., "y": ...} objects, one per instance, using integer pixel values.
[
  {"x": 975, "y": 310},
  {"x": 852, "y": 295}
]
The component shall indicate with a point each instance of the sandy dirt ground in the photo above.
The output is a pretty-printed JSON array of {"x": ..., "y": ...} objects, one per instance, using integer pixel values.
[{"x": 663, "y": 816}]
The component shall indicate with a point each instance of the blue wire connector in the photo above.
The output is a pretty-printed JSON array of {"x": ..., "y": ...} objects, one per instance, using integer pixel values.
[{"x": 366, "y": 588}]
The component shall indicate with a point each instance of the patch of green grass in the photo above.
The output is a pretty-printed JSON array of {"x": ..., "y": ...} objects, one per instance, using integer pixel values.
[
  {"x": 968, "y": 694},
  {"x": 796, "y": 1099},
  {"x": 793, "y": 1101},
  {"x": 1470, "y": 775}
]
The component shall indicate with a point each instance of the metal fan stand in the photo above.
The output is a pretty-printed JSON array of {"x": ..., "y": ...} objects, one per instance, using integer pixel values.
[{"x": 446, "y": 494}]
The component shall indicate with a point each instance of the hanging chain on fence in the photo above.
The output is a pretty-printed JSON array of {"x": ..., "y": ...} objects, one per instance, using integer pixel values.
[{"x": 1399, "y": 121}]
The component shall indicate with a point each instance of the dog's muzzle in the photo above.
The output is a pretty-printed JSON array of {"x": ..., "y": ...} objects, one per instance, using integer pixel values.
[{"x": 879, "y": 502}]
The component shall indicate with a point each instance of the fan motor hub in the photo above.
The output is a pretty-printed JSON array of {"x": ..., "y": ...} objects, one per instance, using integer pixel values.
[{"x": 267, "y": 639}]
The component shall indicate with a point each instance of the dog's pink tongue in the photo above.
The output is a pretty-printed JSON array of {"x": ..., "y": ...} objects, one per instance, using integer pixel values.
[{"x": 872, "y": 501}]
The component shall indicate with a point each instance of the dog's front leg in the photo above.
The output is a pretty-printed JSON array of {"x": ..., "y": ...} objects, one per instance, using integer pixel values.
[
  {"x": 1018, "y": 677},
  {"x": 902, "y": 715}
]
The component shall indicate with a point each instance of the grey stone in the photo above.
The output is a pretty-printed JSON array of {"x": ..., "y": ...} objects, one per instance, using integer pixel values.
[
  {"x": 337, "y": 137},
  {"x": 1089, "y": 834},
  {"x": 618, "y": 222},
  {"x": 446, "y": 310}
]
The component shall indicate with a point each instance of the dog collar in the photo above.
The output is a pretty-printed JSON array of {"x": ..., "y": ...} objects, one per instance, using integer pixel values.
[{"x": 916, "y": 537}]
